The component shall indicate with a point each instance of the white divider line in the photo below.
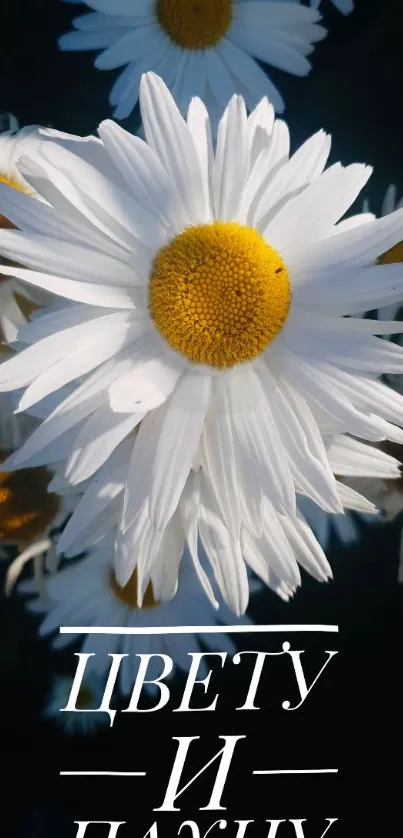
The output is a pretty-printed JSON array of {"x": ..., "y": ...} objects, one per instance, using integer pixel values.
[
  {"x": 102, "y": 773},
  {"x": 237, "y": 629}
]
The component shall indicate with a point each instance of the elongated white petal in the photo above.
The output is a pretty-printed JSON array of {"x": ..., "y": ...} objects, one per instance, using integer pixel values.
[
  {"x": 224, "y": 555},
  {"x": 177, "y": 445},
  {"x": 353, "y": 458},
  {"x": 258, "y": 440},
  {"x": 219, "y": 458}
]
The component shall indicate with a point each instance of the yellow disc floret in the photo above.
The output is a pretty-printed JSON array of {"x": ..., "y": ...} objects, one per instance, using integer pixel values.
[
  {"x": 219, "y": 294},
  {"x": 27, "y": 509},
  {"x": 128, "y": 594},
  {"x": 195, "y": 24}
]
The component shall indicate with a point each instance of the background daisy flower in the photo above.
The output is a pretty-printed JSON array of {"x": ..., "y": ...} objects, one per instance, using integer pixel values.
[
  {"x": 16, "y": 300},
  {"x": 89, "y": 698},
  {"x": 87, "y": 593},
  {"x": 29, "y": 512},
  {"x": 207, "y": 326},
  {"x": 207, "y": 49}
]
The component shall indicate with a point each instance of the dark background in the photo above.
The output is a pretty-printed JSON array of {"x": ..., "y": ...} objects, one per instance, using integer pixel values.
[{"x": 353, "y": 719}]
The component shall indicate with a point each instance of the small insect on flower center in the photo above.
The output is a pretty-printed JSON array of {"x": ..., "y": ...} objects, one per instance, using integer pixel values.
[
  {"x": 27, "y": 509},
  {"x": 195, "y": 24},
  {"x": 128, "y": 594},
  {"x": 219, "y": 294}
]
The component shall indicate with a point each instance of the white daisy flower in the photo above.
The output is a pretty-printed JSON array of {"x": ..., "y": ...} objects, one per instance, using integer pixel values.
[
  {"x": 203, "y": 49},
  {"x": 89, "y": 698},
  {"x": 87, "y": 593},
  {"x": 344, "y": 6},
  {"x": 207, "y": 329},
  {"x": 16, "y": 300}
]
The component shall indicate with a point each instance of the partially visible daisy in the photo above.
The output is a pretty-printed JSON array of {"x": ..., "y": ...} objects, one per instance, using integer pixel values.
[
  {"x": 89, "y": 698},
  {"x": 390, "y": 204},
  {"x": 205, "y": 49},
  {"x": 17, "y": 301},
  {"x": 344, "y": 6},
  {"x": 393, "y": 255},
  {"x": 207, "y": 335},
  {"x": 87, "y": 593},
  {"x": 29, "y": 513}
]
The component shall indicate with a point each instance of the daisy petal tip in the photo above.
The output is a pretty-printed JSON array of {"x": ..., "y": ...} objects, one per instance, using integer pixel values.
[
  {"x": 106, "y": 124},
  {"x": 150, "y": 81},
  {"x": 123, "y": 573}
]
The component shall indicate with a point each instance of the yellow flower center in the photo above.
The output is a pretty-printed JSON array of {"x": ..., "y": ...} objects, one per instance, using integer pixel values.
[
  {"x": 128, "y": 594},
  {"x": 395, "y": 254},
  {"x": 219, "y": 294},
  {"x": 195, "y": 24},
  {"x": 27, "y": 509}
]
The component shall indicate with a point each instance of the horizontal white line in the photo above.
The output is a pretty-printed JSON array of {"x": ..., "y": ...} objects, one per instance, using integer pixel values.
[
  {"x": 237, "y": 629},
  {"x": 301, "y": 771},
  {"x": 143, "y": 773},
  {"x": 102, "y": 773}
]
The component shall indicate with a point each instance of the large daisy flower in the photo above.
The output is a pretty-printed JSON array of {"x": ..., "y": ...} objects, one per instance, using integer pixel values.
[
  {"x": 206, "y": 325},
  {"x": 206, "y": 49},
  {"x": 344, "y": 6},
  {"x": 88, "y": 593}
]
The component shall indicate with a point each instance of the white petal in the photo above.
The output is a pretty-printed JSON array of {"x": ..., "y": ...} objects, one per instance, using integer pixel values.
[
  {"x": 307, "y": 549},
  {"x": 189, "y": 511},
  {"x": 99, "y": 437},
  {"x": 163, "y": 455},
  {"x": 219, "y": 458},
  {"x": 308, "y": 217},
  {"x": 353, "y": 500},
  {"x": 83, "y": 292},
  {"x": 224, "y": 555},
  {"x": 146, "y": 385},
  {"x": 92, "y": 351},
  {"x": 257, "y": 438},
  {"x": 177, "y": 445},
  {"x": 303, "y": 443},
  {"x": 353, "y": 458},
  {"x": 144, "y": 175},
  {"x": 169, "y": 136},
  {"x": 231, "y": 160}
]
